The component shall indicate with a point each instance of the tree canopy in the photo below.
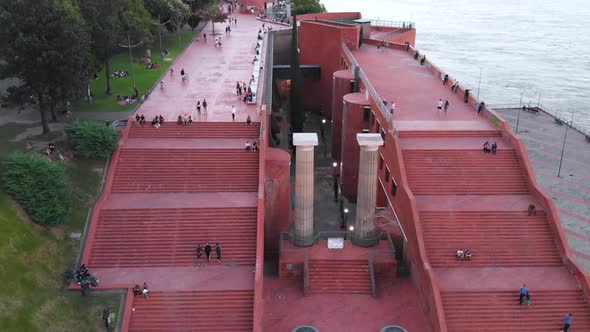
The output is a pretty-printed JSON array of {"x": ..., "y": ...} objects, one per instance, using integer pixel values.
[
  {"x": 307, "y": 6},
  {"x": 175, "y": 12},
  {"x": 45, "y": 44},
  {"x": 109, "y": 21},
  {"x": 212, "y": 13}
]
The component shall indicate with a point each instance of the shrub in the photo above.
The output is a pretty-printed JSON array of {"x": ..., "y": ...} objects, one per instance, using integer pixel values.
[
  {"x": 38, "y": 185},
  {"x": 92, "y": 139}
]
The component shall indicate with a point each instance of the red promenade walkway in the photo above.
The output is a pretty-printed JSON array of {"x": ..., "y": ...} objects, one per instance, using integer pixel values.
[
  {"x": 172, "y": 188},
  {"x": 465, "y": 199}
]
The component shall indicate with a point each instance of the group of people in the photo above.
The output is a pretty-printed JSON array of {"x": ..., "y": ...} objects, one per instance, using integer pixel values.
[
  {"x": 463, "y": 255},
  {"x": 490, "y": 149},
  {"x": 151, "y": 65},
  {"x": 141, "y": 291},
  {"x": 126, "y": 100},
  {"x": 184, "y": 120},
  {"x": 204, "y": 105},
  {"x": 208, "y": 249},
  {"x": 251, "y": 146},
  {"x": 85, "y": 279},
  {"x": 442, "y": 106},
  {"x": 120, "y": 73}
]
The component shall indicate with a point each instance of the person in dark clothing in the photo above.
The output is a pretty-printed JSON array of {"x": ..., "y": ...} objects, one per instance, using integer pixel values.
[
  {"x": 445, "y": 79},
  {"x": 466, "y": 95},
  {"x": 136, "y": 290},
  {"x": 204, "y": 38},
  {"x": 161, "y": 118},
  {"x": 218, "y": 252},
  {"x": 208, "y": 251},
  {"x": 248, "y": 120},
  {"x": 486, "y": 148},
  {"x": 199, "y": 251},
  {"x": 494, "y": 148},
  {"x": 142, "y": 120},
  {"x": 481, "y": 106},
  {"x": 532, "y": 210}
]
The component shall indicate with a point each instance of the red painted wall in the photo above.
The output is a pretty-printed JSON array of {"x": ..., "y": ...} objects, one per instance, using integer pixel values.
[
  {"x": 354, "y": 124},
  {"x": 340, "y": 87},
  {"x": 277, "y": 192},
  {"x": 320, "y": 44},
  {"x": 329, "y": 16}
]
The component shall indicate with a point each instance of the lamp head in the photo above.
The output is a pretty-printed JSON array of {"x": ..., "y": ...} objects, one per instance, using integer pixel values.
[
  {"x": 345, "y": 210},
  {"x": 351, "y": 228},
  {"x": 334, "y": 164},
  {"x": 323, "y": 121}
]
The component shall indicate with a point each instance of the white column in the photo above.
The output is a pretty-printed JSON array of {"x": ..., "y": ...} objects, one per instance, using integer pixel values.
[
  {"x": 365, "y": 231},
  {"x": 304, "y": 187}
]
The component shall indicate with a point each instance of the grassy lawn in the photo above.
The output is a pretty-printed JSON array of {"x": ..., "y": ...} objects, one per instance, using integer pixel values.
[
  {"x": 33, "y": 258},
  {"x": 144, "y": 78}
]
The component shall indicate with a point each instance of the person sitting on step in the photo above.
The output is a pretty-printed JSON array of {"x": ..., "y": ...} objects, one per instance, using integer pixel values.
[
  {"x": 460, "y": 255},
  {"x": 179, "y": 120},
  {"x": 136, "y": 290},
  {"x": 468, "y": 255},
  {"x": 248, "y": 146},
  {"x": 532, "y": 210}
]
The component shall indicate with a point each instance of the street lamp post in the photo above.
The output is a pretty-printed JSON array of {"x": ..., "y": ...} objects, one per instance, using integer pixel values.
[
  {"x": 160, "y": 24},
  {"x": 345, "y": 219},
  {"x": 351, "y": 229},
  {"x": 479, "y": 84},
  {"x": 519, "y": 108},
  {"x": 323, "y": 134},
  {"x": 564, "y": 140}
]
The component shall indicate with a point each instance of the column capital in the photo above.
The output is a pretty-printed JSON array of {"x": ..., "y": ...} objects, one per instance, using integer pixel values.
[
  {"x": 305, "y": 139},
  {"x": 369, "y": 142}
]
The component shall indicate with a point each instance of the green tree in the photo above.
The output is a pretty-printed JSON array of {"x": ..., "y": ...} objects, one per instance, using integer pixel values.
[
  {"x": 212, "y": 13},
  {"x": 175, "y": 12},
  {"x": 296, "y": 91},
  {"x": 45, "y": 44},
  {"x": 307, "y": 6},
  {"x": 109, "y": 22},
  {"x": 92, "y": 139},
  {"x": 38, "y": 184}
]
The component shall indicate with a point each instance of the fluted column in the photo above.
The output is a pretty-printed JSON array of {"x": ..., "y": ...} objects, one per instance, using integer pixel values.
[
  {"x": 304, "y": 188},
  {"x": 365, "y": 231}
]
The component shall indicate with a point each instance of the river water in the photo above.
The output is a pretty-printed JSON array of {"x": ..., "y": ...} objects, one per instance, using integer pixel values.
[{"x": 534, "y": 47}]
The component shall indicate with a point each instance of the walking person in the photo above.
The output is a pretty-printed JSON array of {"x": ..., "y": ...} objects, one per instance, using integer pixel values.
[
  {"x": 446, "y": 107},
  {"x": 145, "y": 291},
  {"x": 248, "y": 120},
  {"x": 523, "y": 292},
  {"x": 392, "y": 109},
  {"x": 208, "y": 251},
  {"x": 199, "y": 107},
  {"x": 171, "y": 71},
  {"x": 199, "y": 251},
  {"x": 439, "y": 104},
  {"x": 205, "y": 38},
  {"x": 567, "y": 322},
  {"x": 204, "y": 106},
  {"x": 218, "y": 252},
  {"x": 161, "y": 85},
  {"x": 182, "y": 72},
  {"x": 233, "y": 113}
]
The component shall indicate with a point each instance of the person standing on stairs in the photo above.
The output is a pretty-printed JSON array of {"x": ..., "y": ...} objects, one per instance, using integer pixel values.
[
  {"x": 208, "y": 251},
  {"x": 567, "y": 322},
  {"x": 233, "y": 113},
  {"x": 199, "y": 251},
  {"x": 145, "y": 290},
  {"x": 218, "y": 252},
  {"x": 523, "y": 292},
  {"x": 204, "y": 106}
]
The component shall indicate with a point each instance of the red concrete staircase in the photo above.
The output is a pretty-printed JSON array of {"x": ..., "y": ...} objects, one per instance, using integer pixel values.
[
  {"x": 198, "y": 130},
  {"x": 495, "y": 238},
  {"x": 168, "y": 237},
  {"x": 186, "y": 170},
  {"x": 339, "y": 276},
  {"x": 494, "y": 311},
  {"x": 464, "y": 172},
  {"x": 215, "y": 310}
]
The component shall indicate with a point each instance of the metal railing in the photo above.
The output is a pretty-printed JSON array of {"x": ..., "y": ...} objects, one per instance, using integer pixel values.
[
  {"x": 372, "y": 273},
  {"x": 305, "y": 260},
  {"x": 369, "y": 87},
  {"x": 267, "y": 71},
  {"x": 393, "y": 24},
  {"x": 405, "y": 242}
]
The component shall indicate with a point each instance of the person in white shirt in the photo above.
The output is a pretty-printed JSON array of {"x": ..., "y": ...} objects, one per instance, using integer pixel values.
[
  {"x": 233, "y": 113},
  {"x": 248, "y": 146},
  {"x": 439, "y": 104}
]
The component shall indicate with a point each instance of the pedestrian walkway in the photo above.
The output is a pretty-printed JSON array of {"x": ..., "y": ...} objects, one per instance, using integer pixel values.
[{"x": 172, "y": 188}]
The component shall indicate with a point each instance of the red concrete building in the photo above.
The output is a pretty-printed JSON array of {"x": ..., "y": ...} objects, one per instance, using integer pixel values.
[{"x": 423, "y": 188}]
